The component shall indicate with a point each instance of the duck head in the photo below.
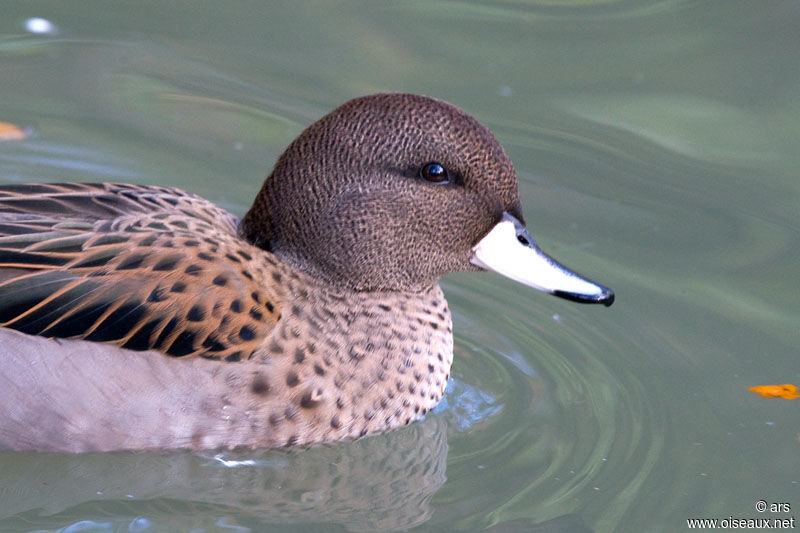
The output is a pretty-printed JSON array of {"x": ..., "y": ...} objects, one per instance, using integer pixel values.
[{"x": 391, "y": 191}]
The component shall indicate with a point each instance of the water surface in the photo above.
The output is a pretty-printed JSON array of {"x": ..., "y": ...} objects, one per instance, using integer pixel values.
[{"x": 657, "y": 147}]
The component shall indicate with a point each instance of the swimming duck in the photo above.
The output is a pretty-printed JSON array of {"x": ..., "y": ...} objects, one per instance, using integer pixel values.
[{"x": 149, "y": 318}]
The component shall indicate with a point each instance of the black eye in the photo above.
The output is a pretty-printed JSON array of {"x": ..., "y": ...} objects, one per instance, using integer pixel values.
[{"x": 434, "y": 173}]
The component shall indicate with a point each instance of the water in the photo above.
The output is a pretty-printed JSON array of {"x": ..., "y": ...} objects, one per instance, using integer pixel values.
[{"x": 657, "y": 147}]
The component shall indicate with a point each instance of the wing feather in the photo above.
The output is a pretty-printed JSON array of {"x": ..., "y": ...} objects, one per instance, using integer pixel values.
[{"x": 139, "y": 267}]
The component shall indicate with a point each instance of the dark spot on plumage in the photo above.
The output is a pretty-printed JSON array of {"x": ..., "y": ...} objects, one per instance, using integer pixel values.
[
  {"x": 93, "y": 261},
  {"x": 132, "y": 262},
  {"x": 412, "y": 388},
  {"x": 196, "y": 314},
  {"x": 247, "y": 333},
  {"x": 168, "y": 244},
  {"x": 408, "y": 420},
  {"x": 439, "y": 356},
  {"x": 233, "y": 258},
  {"x": 213, "y": 344},
  {"x": 311, "y": 347},
  {"x": 158, "y": 226},
  {"x": 290, "y": 413},
  {"x": 384, "y": 402},
  {"x": 338, "y": 382},
  {"x": 269, "y": 306},
  {"x": 147, "y": 241},
  {"x": 167, "y": 263},
  {"x": 247, "y": 274},
  {"x": 276, "y": 276},
  {"x": 434, "y": 325},
  {"x": 275, "y": 347},
  {"x": 274, "y": 419},
  {"x": 183, "y": 344},
  {"x": 318, "y": 370},
  {"x": 220, "y": 280},
  {"x": 335, "y": 422},
  {"x": 234, "y": 357},
  {"x": 178, "y": 287},
  {"x": 369, "y": 415},
  {"x": 430, "y": 369},
  {"x": 171, "y": 201},
  {"x": 259, "y": 386},
  {"x": 104, "y": 240},
  {"x": 205, "y": 257},
  {"x": 141, "y": 340},
  {"x": 256, "y": 297},
  {"x": 339, "y": 403},
  {"x": 309, "y": 400},
  {"x": 236, "y": 306},
  {"x": 244, "y": 255},
  {"x": 299, "y": 355},
  {"x": 118, "y": 324},
  {"x": 363, "y": 432},
  {"x": 191, "y": 243},
  {"x": 166, "y": 332},
  {"x": 157, "y": 295},
  {"x": 193, "y": 270},
  {"x": 355, "y": 355},
  {"x": 256, "y": 314},
  {"x": 292, "y": 380}
]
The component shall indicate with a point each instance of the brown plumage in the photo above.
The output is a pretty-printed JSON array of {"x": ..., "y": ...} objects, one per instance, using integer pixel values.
[{"x": 316, "y": 318}]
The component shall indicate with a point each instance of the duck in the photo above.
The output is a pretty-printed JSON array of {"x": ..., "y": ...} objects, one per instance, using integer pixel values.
[{"x": 142, "y": 317}]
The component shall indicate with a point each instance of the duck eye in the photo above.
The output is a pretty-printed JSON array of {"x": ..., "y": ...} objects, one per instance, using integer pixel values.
[{"x": 434, "y": 173}]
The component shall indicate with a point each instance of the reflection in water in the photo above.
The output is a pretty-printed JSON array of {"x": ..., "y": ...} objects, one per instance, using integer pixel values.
[{"x": 373, "y": 484}]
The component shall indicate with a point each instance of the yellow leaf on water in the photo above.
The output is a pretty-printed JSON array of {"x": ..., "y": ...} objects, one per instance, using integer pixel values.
[{"x": 787, "y": 392}]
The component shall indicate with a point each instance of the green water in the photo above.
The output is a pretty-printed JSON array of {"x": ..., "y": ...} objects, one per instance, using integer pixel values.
[{"x": 657, "y": 147}]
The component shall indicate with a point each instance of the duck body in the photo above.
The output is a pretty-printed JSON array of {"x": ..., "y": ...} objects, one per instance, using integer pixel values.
[
  {"x": 148, "y": 318},
  {"x": 299, "y": 387},
  {"x": 281, "y": 359}
]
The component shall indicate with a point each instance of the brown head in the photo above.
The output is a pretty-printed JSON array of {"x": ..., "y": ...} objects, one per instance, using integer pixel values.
[
  {"x": 392, "y": 191},
  {"x": 387, "y": 192}
]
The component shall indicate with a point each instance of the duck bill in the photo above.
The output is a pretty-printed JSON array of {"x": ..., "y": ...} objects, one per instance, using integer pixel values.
[{"x": 508, "y": 249}]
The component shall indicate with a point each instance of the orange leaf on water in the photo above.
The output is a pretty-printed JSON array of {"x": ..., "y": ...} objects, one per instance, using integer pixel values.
[
  {"x": 11, "y": 132},
  {"x": 787, "y": 392}
]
